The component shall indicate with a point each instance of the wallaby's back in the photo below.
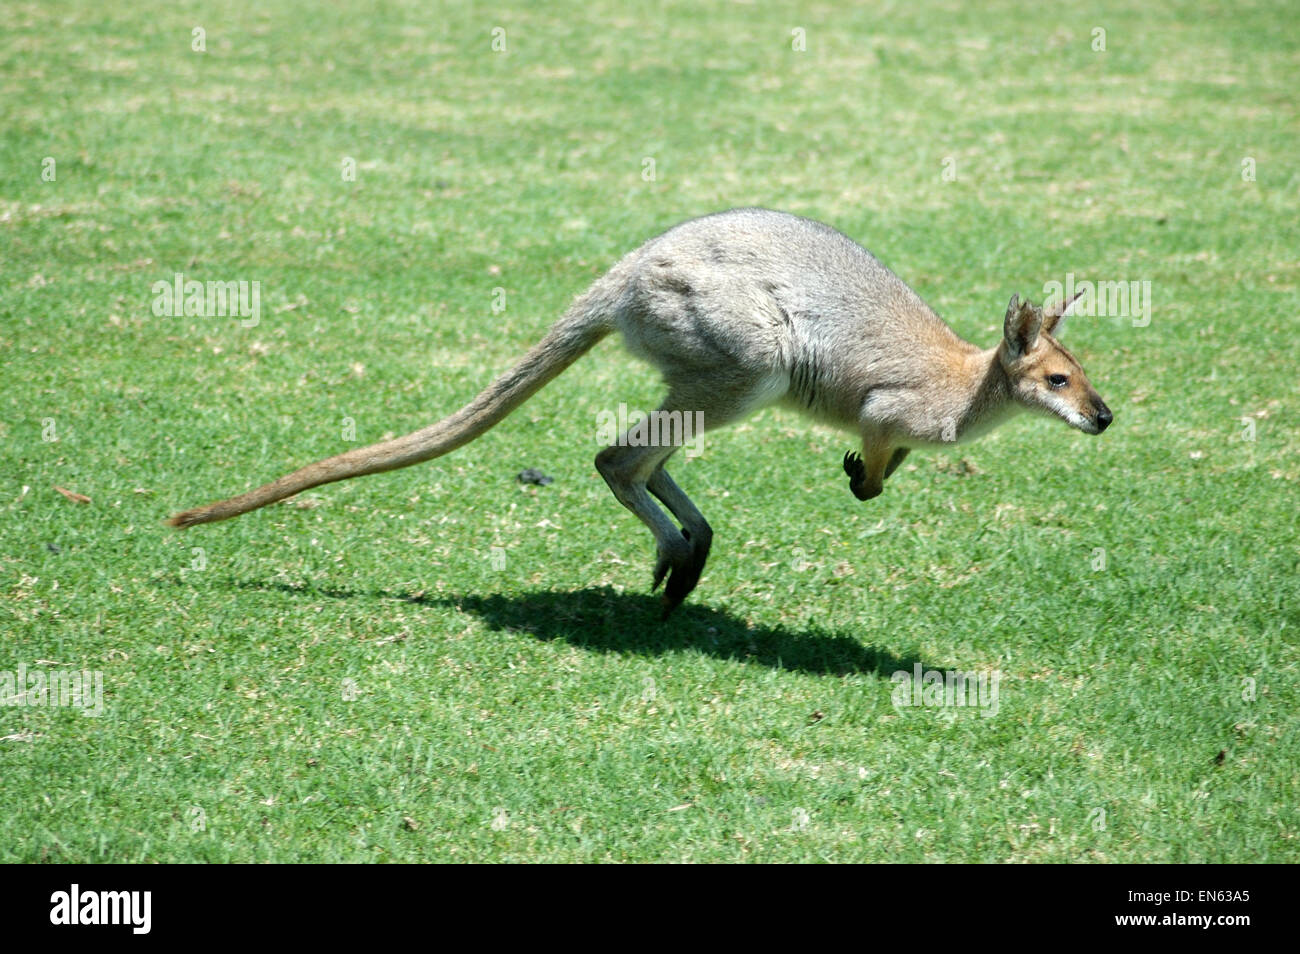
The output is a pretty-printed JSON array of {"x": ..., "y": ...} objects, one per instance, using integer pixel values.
[
  {"x": 819, "y": 272},
  {"x": 782, "y": 295}
]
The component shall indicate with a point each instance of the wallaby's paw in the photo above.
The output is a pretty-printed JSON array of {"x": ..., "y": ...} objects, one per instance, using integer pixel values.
[
  {"x": 683, "y": 573},
  {"x": 857, "y": 471}
]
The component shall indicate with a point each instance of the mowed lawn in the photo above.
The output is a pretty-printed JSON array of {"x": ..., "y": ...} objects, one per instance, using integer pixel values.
[{"x": 442, "y": 663}]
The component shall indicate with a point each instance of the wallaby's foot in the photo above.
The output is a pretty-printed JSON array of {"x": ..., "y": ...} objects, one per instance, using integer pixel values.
[
  {"x": 859, "y": 481},
  {"x": 683, "y": 566},
  {"x": 675, "y": 554}
]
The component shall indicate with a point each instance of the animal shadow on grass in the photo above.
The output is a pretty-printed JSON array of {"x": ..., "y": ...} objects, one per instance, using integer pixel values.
[{"x": 601, "y": 620}]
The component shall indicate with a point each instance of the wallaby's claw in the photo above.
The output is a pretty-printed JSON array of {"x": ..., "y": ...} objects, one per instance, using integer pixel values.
[
  {"x": 853, "y": 465},
  {"x": 857, "y": 471}
]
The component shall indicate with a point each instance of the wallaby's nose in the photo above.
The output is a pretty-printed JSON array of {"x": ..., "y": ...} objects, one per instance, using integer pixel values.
[{"x": 1104, "y": 417}]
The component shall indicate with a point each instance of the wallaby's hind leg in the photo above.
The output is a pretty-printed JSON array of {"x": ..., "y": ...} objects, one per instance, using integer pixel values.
[
  {"x": 634, "y": 473},
  {"x": 627, "y": 470}
]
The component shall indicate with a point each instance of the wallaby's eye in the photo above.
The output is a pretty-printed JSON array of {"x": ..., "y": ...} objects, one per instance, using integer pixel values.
[{"x": 1057, "y": 380}]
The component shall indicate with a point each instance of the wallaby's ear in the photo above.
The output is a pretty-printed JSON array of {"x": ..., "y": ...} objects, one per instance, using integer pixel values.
[
  {"x": 1054, "y": 315},
  {"x": 1021, "y": 326}
]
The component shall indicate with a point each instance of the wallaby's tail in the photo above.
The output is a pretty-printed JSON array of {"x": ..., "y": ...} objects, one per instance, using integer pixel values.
[{"x": 580, "y": 328}]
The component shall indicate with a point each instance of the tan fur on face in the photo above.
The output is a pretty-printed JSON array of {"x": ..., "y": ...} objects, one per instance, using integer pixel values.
[{"x": 1030, "y": 356}]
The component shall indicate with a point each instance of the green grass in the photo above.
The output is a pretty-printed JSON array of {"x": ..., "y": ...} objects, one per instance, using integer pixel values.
[{"x": 538, "y": 711}]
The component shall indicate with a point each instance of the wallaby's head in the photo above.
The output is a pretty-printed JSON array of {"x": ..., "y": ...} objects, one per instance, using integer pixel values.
[{"x": 1043, "y": 375}]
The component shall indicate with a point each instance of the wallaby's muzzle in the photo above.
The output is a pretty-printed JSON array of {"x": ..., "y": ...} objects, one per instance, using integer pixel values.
[{"x": 1104, "y": 417}]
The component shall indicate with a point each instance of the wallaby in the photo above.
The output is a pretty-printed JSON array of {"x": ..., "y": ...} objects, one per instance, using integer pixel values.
[{"x": 739, "y": 310}]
